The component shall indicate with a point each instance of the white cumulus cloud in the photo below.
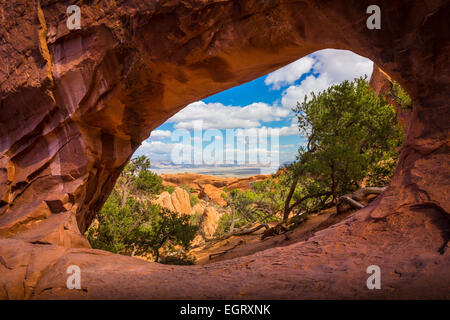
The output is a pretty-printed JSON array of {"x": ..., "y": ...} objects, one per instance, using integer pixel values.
[
  {"x": 160, "y": 134},
  {"x": 290, "y": 73},
  {"x": 219, "y": 116},
  {"x": 331, "y": 67}
]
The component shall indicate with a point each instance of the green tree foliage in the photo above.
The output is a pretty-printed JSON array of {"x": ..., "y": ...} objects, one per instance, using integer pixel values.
[
  {"x": 138, "y": 228},
  {"x": 148, "y": 181},
  {"x": 130, "y": 224},
  {"x": 196, "y": 218},
  {"x": 349, "y": 131},
  {"x": 258, "y": 205},
  {"x": 167, "y": 227},
  {"x": 193, "y": 199},
  {"x": 169, "y": 189},
  {"x": 137, "y": 177},
  {"x": 401, "y": 97}
]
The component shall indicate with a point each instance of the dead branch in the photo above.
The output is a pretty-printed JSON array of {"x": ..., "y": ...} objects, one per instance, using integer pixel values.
[
  {"x": 211, "y": 256},
  {"x": 276, "y": 230},
  {"x": 240, "y": 232},
  {"x": 361, "y": 194},
  {"x": 354, "y": 199},
  {"x": 353, "y": 203}
]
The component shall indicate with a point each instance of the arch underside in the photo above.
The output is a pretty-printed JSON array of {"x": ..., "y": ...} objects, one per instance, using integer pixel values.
[{"x": 76, "y": 105}]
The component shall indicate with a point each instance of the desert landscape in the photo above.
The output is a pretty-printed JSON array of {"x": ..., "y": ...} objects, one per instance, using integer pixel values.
[{"x": 76, "y": 105}]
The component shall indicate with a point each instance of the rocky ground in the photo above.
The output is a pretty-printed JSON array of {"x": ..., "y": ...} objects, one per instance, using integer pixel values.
[
  {"x": 244, "y": 245},
  {"x": 207, "y": 247},
  {"x": 211, "y": 204},
  {"x": 208, "y": 187},
  {"x": 76, "y": 104}
]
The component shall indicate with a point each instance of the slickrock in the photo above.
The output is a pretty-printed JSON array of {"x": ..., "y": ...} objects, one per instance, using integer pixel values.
[
  {"x": 209, "y": 222},
  {"x": 210, "y": 193},
  {"x": 76, "y": 104},
  {"x": 383, "y": 84},
  {"x": 178, "y": 201},
  {"x": 209, "y": 187},
  {"x": 198, "y": 208}
]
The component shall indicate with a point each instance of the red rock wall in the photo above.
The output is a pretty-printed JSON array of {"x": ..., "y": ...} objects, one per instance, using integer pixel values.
[
  {"x": 76, "y": 104},
  {"x": 383, "y": 84}
]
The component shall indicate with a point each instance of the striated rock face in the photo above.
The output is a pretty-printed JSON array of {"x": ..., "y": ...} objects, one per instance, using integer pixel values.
[
  {"x": 181, "y": 201},
  {"x": 178, "y": 201},
  {"x": 196, "y": 181},
  {"x": 76, "y": 104},
  {"x": 165, "y": 201},
  {"x": 208, "y": 187},
  {"x": 198, "y": 208},
  {"x": 209, "y": 222},
  {"x": 210, "y": 193},
  {"x": 382, "y": 84}
]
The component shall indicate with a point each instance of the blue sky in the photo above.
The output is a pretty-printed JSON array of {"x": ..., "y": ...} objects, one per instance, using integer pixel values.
[{"x": 265, "y": 102}]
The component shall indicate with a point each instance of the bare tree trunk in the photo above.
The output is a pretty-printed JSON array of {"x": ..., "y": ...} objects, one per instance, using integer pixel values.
[
  {"x": 333, "y": 184},
  {"x": 124, "y": 197},
  {"x": 160, "y": 246},
  {"x": 353, "y": 199},
  {"x": 306, "y": 198},
  {"x": 355, "y": 204},
  {"x": 232, "y": 220},
  {"x": 287, "y": 208}
]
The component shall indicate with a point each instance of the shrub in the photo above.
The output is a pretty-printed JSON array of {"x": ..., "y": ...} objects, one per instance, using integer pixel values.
[
  {"x": 196, "y": 218},
  {"x": 138, "y": 228},
  {"x": 149, "y": 182},
  {"x": 169, "y": 189},
  {"x": 193, "y": 199}
]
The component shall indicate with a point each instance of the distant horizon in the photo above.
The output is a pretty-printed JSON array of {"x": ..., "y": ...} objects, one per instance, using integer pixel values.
[{"x": 226, "y": 172}]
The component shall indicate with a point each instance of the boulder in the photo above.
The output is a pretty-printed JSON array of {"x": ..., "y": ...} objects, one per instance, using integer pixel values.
[
  {"x": 209, "y": 222},
  {"x": 165, "y": 201},
  {"x": 198, "y": 208},
  {"x": 178, "y": 201},
  {"x": 211, "y": 193}
]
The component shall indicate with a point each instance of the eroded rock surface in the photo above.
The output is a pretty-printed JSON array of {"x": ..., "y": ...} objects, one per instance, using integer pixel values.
[
  {"x": 383, "y": 85},
  {"x": 209, "y": 222},
  {"x": 178, "y": 201},
  {"x": 76, "y": 104},
  {"x": 210, "y": 188}
]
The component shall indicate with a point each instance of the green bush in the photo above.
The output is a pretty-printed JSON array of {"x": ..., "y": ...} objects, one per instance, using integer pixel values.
[
  {"x": 259, "y": 205},
  {"x": 149, "y": 182},
  {"x": 138, "y": 228},
  {"x": 401, "y": 97},
  {"x": 169, "y": 189},
  {"x": 193, "y": 199},
  {"x": 188, "y": 190},
  {"x": 223, "y": 226},
  {"x": 196, "y": 218},
  {"x": 380, "y": 173}
]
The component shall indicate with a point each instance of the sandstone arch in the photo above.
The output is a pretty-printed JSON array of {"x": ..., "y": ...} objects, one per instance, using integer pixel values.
[{"x": 76, "y": 104}]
